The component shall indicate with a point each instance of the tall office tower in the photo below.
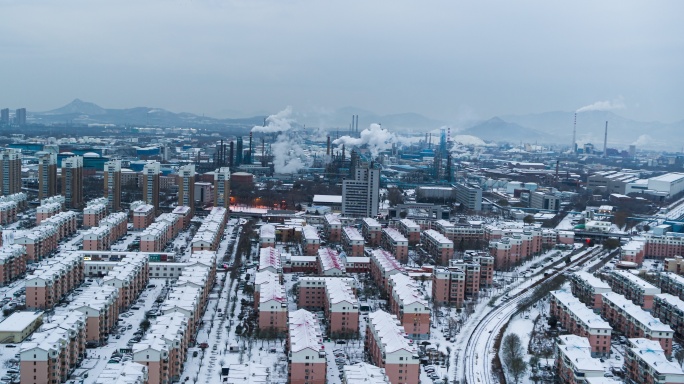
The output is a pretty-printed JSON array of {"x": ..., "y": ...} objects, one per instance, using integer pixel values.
[
  {"x": 186, "y": 187},
  {"x": 151, "y": 177},
  {"x": 222, "y": 187},
  {"x": 10, "y": 172},
  {"x": 361, "y": 196},
  {"x": 47, "y": 175},
  {"x": 4, "y": 116},
  {"x": 20, "y": 116},
  {"x": 112, "y": 185},
  {"x": 72, "y": 182}
]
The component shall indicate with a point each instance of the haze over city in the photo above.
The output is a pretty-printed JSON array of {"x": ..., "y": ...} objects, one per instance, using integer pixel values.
[
  {"x": 341, "y": 192},
  {"x": 450, "y": 61}
]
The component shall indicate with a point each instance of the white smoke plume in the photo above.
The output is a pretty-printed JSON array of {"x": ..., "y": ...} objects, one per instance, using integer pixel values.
[
  {"x": 375, "y": 137},
  {"x": 605, "y": 105},
  {"x": 280, "y": 122},
  {"x": 643, "y": 141},
  {"x": 287, "y": 154}
]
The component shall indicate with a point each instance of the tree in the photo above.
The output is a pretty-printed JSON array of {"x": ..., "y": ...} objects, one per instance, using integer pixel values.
[
  {"x": 647, "y": 228},
  {"x": 679, "y": 355},
  {"x": 502, "y": 202},
  {"x": 517, "y": 368},
  {"x": 529, "y": 220},
  {"x": 611, "y": 243},
  {"x": 395, "y": 196},
  {"x": 553, "y": 321}
]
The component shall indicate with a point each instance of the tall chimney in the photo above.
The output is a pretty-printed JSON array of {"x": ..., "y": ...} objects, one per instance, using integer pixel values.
[
  {"x": 327, "y": 148},
  {"x": 574, "y": 135},
  {"x": 251, "y": 149},
  {"x": 232, "y": 154},
  {"x": 605, "y": 141}
]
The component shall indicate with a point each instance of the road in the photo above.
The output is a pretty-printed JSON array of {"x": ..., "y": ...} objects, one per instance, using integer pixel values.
[{"x": 480, "y": 351}]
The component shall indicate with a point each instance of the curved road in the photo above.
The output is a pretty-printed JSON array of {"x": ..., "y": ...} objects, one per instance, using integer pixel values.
[{"x": 479, "y": 351}]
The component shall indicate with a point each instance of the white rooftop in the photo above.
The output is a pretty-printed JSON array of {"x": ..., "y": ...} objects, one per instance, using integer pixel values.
[
  {"x": 305, "y": 331},
  {"x": 18, "y": 321},
  {"x": 364, "y": 373}
]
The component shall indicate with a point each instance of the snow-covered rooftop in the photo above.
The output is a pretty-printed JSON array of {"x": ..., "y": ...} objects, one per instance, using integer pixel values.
[
  {"x": 364, "y": 373},
  {"x": 386, "y": 261},
  {"x": 592, "y": 281},
  {"x": 647, "y": 321},
  {"x": 395, "y": 235},
  {"x": 305, "y": 331},
  {"x": 330, "y": 259},
  {"x": 650, "y": 352},
  {"x": 437, "y": 237},
  {"x": 636, "y": 281},
  {"x": 352, "y": 234},
  {"x": 578, "y": 350},
  {"x": 389, "y": 333}
]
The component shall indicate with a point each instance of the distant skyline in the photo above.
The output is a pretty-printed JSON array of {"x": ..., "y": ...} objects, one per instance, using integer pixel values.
[{"x": 448, "y": 61}]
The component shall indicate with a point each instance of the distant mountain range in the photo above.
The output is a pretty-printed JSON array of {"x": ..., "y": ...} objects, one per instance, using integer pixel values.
[
  {"x": 83, "y": 112},
  {"x": 543, "y": 128}
]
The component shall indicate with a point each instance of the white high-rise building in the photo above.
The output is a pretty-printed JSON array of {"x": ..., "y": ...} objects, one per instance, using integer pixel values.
[{"x": 361, "y": 196}]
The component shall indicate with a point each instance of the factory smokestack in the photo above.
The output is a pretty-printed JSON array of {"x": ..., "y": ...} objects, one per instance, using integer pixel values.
[
  {"x": 574, "y": 135},
  {"x": 231, "y": 155},
  {"x": 605, "y": 141},
  {"x": 357, "y": 125},
  {"x": 251, "y": 149},
  {"x": 327, "y": 148}
]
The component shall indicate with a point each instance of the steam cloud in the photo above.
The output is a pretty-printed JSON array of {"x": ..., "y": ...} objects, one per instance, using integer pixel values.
[
  {"x": 643, "y": 140},
  {"x": 605, "y": 105},
  {"x": 375, "y": 137},
  {"x": 287, "y": 150},
  {"x": 280, "y": 122}
]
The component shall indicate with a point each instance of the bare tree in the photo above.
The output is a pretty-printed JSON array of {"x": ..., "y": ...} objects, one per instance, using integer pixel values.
[{"x": 512, "y": 352}]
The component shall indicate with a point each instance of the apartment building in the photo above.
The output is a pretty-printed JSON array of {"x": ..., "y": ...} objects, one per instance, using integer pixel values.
[
  {"x": 143, "y": 215},
  {"x": 410, "y": 306},
  {"x": 670, "y": 310},
  {"x": 341, "y": 308},
  {"x": 12, "y": 263},
  {"x": 445, "y": 227},
  {"x": 47, "y": 210},
  {"x": 647, "y": 363},
  {"x": 10, "y": 171},
  {"x": 267, "y": 235},
  {"x": 313, "y": 293},
  {"x": 663, "y": 246},
  {"x": 361, "y": 195},
  {"x": 270, "y": 260},
  {"x": 448, "y": 286},
  {"x": 186, "y": 187},
  {"x": 672, "y": 283},
  {"x": 372, "y": 231},
  {"x": 437, "y": 245},
  {"x": 588, "y": 289},
  {"x": 47, "y": 174},
  {"x": 263, "y": 277},
  {"x": 39, "y": 242},
  {"x": 8, "y": 212},
  {"x": 634, "y": 251},
  {"x": 130, "y": 276},
  {"x": 352, "y": 242},
  {"x": 208, "y": 236},
  {"x": 333, "y": 228},
  {"x": 93, "y": 213},
  {"x": 330, "y": 263},
  {"x": 395, "y": 243},
  {"x": 674, "y": 264},
  {"x": 307, "y": 362},
  {"x": 410, "y": 229},
  {"x": 53, "y": 351},
  {"x": 575, "y": 362},
  {"x": 48, "y": 284},
  {"x": 272, "y": 307},
  {"x": 72, "y": 182},
  {"x": 112, "y": 185},
  {"x": 389, "y": 347},
  {"x": 356, "y": 264},
  {"x": 311, "y": 242},
  {"x": 632, "y": 287},
  {"x": 382, "y": 266},
  {"x": 101, "y": 307},
  {"x": 151, "y": 175},
  {"x": 629, "y": 319},
  {"x": 580, "y": 320},
  {"x": 222, "y": 187}
]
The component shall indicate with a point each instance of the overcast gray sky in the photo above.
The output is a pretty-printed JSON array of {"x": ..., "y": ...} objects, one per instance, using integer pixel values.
[{"x": 444, "y": 59}]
